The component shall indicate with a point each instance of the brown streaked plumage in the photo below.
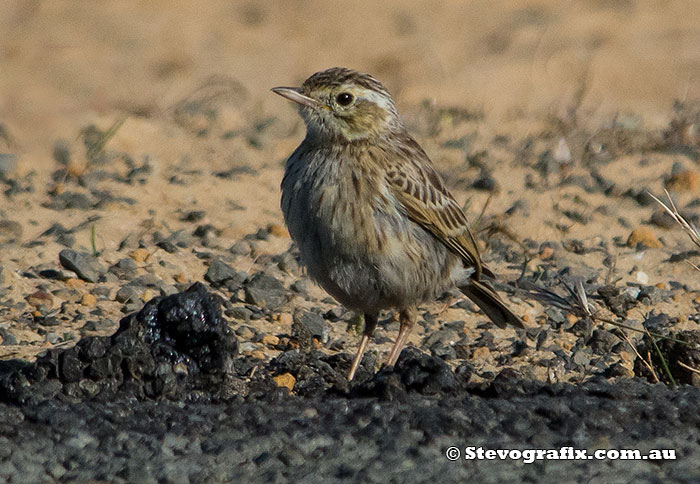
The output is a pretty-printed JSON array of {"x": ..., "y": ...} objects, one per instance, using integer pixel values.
[{"x": 375, "y": 225}]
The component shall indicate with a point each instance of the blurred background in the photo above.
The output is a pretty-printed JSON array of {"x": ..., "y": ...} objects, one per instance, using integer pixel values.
[{"x": 65, "y": 62}]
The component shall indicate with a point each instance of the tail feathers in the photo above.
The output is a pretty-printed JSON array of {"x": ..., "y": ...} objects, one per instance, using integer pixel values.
[{"x": 491, "y": 303}]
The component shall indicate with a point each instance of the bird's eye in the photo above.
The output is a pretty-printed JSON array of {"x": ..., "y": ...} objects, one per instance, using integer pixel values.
[{"x": 344, "y": 98}]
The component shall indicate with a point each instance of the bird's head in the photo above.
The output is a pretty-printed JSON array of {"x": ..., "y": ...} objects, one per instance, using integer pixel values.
[{"x": 343, "y": 105}]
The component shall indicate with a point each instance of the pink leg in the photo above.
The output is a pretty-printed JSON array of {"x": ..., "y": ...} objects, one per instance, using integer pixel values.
[
  {"x": 370, "y": 325},
  {"x": 407, "y": 319}
]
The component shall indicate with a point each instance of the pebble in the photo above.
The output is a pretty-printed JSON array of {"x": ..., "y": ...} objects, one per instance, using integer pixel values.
[
  {"x": 241, "y": 247},
  {"x": 642, "y": 277},
  {"x": 480, "y": 353},
  {"x": 128, "y": 293},
  {"x": 139, "y": 255},
  {"x": 485, "y": 182},
  {"x": 40, "y": 299},
  {"x": 546, "y": 252},
  {"x": 661, "y": 218},
  {"x": 270, "y": 340},
  {"x": 247, "y": 347},
  {"x": 124, "y": 268},
  {"x": 562, "y": 153},
  {"x": 239, "y": 313},
  {"x": 220, "y": 272},
  {"x": 7, "y": 337},
  {"x": 684, "y": 181},
  {"x": 88, "y": 300},
  {"x": 602, "y": 341},
  {"x": 309, "y": 323},
  {"x": 74, "y": 283},
  {"x": 278, "y": 230},
  {"x": 285, "y": 380},
  {"x": 288, "y": 263},
  {"x": 264, "y": 290},
  {"x": 245, "y": 332},
  {"x": 86, "y": 266},
  {"x": 643, "y": 237}
]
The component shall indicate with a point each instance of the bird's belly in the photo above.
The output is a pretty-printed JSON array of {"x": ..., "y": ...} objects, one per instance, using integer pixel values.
[{"x": 373, "y": 260}]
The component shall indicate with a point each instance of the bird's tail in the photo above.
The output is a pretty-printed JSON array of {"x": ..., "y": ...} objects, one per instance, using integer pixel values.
[{"x": 491, "y": 303}]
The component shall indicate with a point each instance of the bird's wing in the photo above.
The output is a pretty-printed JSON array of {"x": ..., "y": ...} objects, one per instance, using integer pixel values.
[{"x": 421, "y": 192}]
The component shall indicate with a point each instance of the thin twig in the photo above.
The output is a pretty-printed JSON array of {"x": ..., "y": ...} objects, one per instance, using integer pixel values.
[
  {"x": 646, "y": 363},
  {"x": 579, "y": 305},
  {"x": 689, "y": 368},
  {"x": 687, "y": 227}
]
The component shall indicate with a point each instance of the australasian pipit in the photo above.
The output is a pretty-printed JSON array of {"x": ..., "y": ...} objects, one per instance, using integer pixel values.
[{"x": 375, "y": 225}]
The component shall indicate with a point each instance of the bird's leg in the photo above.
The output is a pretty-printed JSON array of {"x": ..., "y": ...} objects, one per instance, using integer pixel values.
[
  {"x": 370, "y": 325},
  {"x": 407, "y": 319}
]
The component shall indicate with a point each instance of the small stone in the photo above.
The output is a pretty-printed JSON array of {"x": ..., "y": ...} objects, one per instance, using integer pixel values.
[
  {"x": 245, "y": 332},
  {"x": 480, "y": 353},
  {"x": 167, "y": 246},
  {"x": 562, "y": 154},
  {"x": 288, "y": 263},
  {"x": 264, "y": 290},
  {"x": 642, "y": 277},
  {"x": 486, "y": 182},
  {"x": 239, "y": 313},
  {"x": 311, "y": 324},
  {"x": 101, "y": 291},
  {"x": 39, "y": 299},
  {"x": 128, "y": 293},
  {"x": 139, "y": 255},
  {"x": 52, "y": 338},
  {"x": 684, "y": 181},
  {"x": 546, "y": 252},
  {"x": 602, "y": 341},
  {"x": 7, "y": 338},
  {"x": 661, "y": 218},
  {"x": 74, "y": 283},
  {"x": 270, "y": 340},
  {"x": 286, "y": 319},
  {"x": 285, "y": 380},
  {"x": 124, "y": 268},
  {"x": 193, "y": 216},
  {"x": 644, "y": 237},
  {"x": 83, "y": 264},
  {"x": 258, "y": 354},
  {"x": 240, "y": 248},
  {"x": 277, "y": 230},
  {"x": 88, "y": 300},
  {"x": 220, "y": 272}
]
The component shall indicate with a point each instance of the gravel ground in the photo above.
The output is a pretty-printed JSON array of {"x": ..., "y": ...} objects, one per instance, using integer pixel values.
[{"x": 166, "y": 399}]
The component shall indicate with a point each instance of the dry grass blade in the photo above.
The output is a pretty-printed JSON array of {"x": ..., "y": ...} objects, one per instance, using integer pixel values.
[
  {"x": 689, "y": 228},
  {"x": 646, "y": 363},
  {"x": 578, "y": 303},
  {"x": 689, "y": 368}
]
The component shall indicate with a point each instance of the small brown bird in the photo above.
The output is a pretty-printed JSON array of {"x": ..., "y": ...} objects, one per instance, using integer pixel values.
[{"x": 375, "y": 225}]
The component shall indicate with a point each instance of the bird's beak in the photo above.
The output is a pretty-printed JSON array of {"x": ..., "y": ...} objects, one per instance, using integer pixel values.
[{"x": 295, "y": 94}]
